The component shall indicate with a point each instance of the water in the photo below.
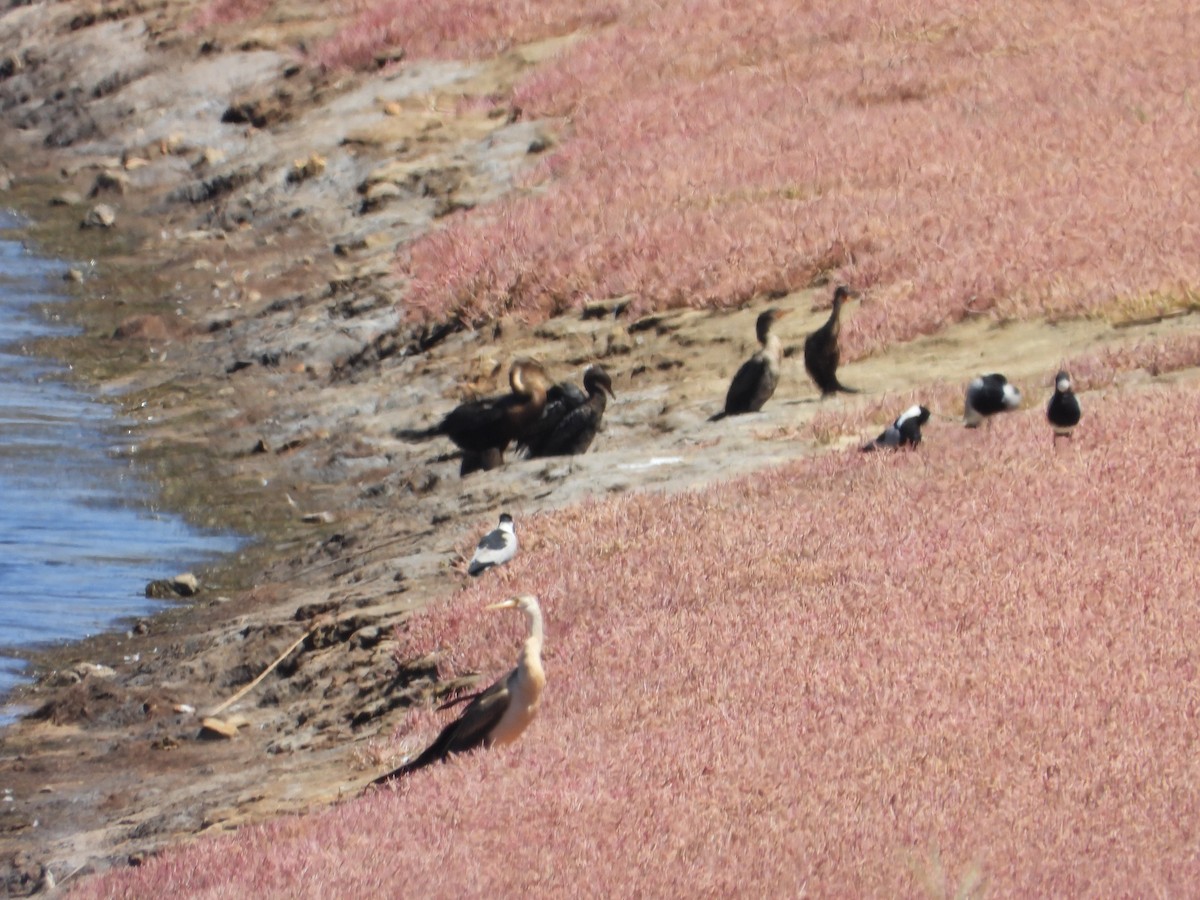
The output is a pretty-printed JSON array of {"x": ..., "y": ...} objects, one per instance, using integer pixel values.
[{"x": 79, "y": 539}]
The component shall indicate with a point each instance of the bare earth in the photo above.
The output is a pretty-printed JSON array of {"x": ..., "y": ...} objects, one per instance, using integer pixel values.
[{"x": 250, "y": 319}]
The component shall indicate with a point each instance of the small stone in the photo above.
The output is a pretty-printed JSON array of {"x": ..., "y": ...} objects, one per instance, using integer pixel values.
[
  {"x": 212, "y": 728},
  {"x": 209, "y": 156},
  {"x": 304, "y": 169},
  {"x": 99, "y": 216},
  {"x": 133, "y": 163},
  {"x": 186, "y": 584},
  {"x": 318, "y": 518},
  {"x": 109, "y": 183},
  {"x": 67, "y": 198},
  {"x": 75, "y": 275}
]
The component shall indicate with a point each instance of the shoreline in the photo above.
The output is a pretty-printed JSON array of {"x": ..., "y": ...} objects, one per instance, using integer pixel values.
[{"x": 251, "y": 327}]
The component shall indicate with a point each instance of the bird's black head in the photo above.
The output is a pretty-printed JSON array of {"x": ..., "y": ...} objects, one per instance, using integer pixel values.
[
  {"x": 762, "y": 327},
  {"x": 1062, "y": 381},
  {"x": 842, "y": 293},
  {"x": 505, "y": 518},
  {"x": 595, "y": 378}
]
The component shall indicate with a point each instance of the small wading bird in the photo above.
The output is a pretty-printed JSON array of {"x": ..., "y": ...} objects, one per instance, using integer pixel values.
[
  {"x": 495, "y": 548},
  {"x": 988, "y": 395},
  {"x": 821, "y": 354},
  {"x": 484, "y": 428},
  {"x": 571, "y": 417},
  {"x": 1063, "y": 410},
  {"x": 498, "y": 715},
  {"x": 758, "y": 376},
  {"x": 904, "y": 432}
]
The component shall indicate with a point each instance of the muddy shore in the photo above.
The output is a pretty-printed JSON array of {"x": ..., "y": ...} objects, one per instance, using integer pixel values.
[{"x": 244, "y": 309}]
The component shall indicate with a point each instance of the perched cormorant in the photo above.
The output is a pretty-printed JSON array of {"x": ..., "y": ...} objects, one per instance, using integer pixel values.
[
  {"x": 484, "y": 428},
  {"x": 495, "y": 548},
  {"x": 570, "y": 418},
  {"x": 498, "y": 715},
  {"x": 1063, "y": 411},
  {"x": 821, "y": 355},
  {"x": 988, "y": 395},
  {"x": 758, "y": 376},
  {"x": 904, "y": 432}
]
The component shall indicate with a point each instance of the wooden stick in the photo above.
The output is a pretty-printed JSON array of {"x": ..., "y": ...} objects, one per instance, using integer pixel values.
[{"x": 265, "y": 672}]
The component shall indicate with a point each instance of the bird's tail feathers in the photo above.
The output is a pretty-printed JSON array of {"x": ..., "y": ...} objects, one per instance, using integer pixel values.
[
  {"x": 716, "y": 417},
  {"x": 417, "y": 434}
]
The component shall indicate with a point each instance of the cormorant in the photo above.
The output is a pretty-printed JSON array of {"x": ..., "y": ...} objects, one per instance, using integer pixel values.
[
  {"x": 1063, "y": 410},
  {"x": 495, "y": 548},
  {"x": 988, "y": 395},
  {"x": 570, "y": 418},
  {"x": 484, "y": 428},
  {"x": 904, "y": 432},
  {"x": 498, "y": 715},
  {"x": 821, "y": 355},
  {"x": 758, "y": 376}
]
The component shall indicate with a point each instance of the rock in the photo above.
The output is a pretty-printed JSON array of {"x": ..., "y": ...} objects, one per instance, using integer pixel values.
[
  {"x": 143, "y": 328},
  {"x": 185, "y": 585},
  {"x": 212, "y": 728},
  {"x": 304, "y": 169},
  {"x": 133, "y": 163},
  {"x": 209, "y": 156},
  {"x": 99, "y": 216},
  {"x": 318, "y": 518},
  {"x": 379, "y": 194},
  {"x": 109, "y": 183},
  {"x": 75, "y": 275},
  {"x": 67, "y": 198}
]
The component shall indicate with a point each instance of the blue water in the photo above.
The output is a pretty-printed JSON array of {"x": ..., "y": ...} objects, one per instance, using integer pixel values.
[{"x": 79, "y": 538}]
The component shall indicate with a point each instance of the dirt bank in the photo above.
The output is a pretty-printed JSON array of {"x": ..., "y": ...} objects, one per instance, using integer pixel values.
[{"x": 244, "y": 310}]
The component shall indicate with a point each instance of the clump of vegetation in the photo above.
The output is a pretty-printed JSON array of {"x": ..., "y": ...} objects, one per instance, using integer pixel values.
[{"x": 890, "y": 653}]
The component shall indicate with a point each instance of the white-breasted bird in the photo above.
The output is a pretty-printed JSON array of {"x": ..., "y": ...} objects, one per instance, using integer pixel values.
[
  {"x": 495, "y": 548},
  {"x": 500, "y": 714},
  {"x": 988, "y": 395},
  {"x": 1063, "y": 411},
  {"x": 904, "y": 432}
]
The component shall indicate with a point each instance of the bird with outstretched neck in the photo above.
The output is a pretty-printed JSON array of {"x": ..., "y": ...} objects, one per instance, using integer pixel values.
[
  {"x": 821, "y": 353},
  {"x": 756, "y": 380},
  {"x": 500, "y": 714}
]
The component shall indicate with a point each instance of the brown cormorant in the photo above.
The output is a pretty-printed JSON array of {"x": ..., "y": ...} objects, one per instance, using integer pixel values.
[
  {"x": 570, "y": 418},
  {"x": 484, "y": 428},
  {"x": 498, "y": 715},
  {"x": 758, "y": 376},
  {"x": 1063, "y": 410},
  {"x": 821, "y": 355},
  {"x": 988, "y": 395}
]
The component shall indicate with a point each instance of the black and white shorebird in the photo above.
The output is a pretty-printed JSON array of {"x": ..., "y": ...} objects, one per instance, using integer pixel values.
[
  {"x": 1063, "y": 410},
  {"x": 821, "y": 352},
  {"x": 988, "y": 395},
  {"x": 757, "y": 378},
  {"x": 495, "y": 548},
  {"x": 904, "y": 432}
]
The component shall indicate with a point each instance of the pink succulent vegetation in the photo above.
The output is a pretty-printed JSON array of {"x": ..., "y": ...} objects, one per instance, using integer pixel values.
[
  {"x": 1021, "y": 160},
  {"x": 972, "y": 664}
]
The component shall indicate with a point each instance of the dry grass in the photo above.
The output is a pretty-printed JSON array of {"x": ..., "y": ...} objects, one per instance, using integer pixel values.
[{"x": 971, "y": 665}]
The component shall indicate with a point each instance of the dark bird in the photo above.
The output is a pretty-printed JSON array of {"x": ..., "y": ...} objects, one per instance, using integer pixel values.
[
  {"x": 571, "y": 418},
  {"x": 498, "y": 715},
  {"x": 1063, "y": 410},
  {"x": 495, "y": 548},
  {"x": 988, "y": 395},
  {"x": 904, "y": 432},
  {"x": 756, "y": 380},
  {"x": 484, "y": 428},
  {"x": 821, "y": 354}
]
